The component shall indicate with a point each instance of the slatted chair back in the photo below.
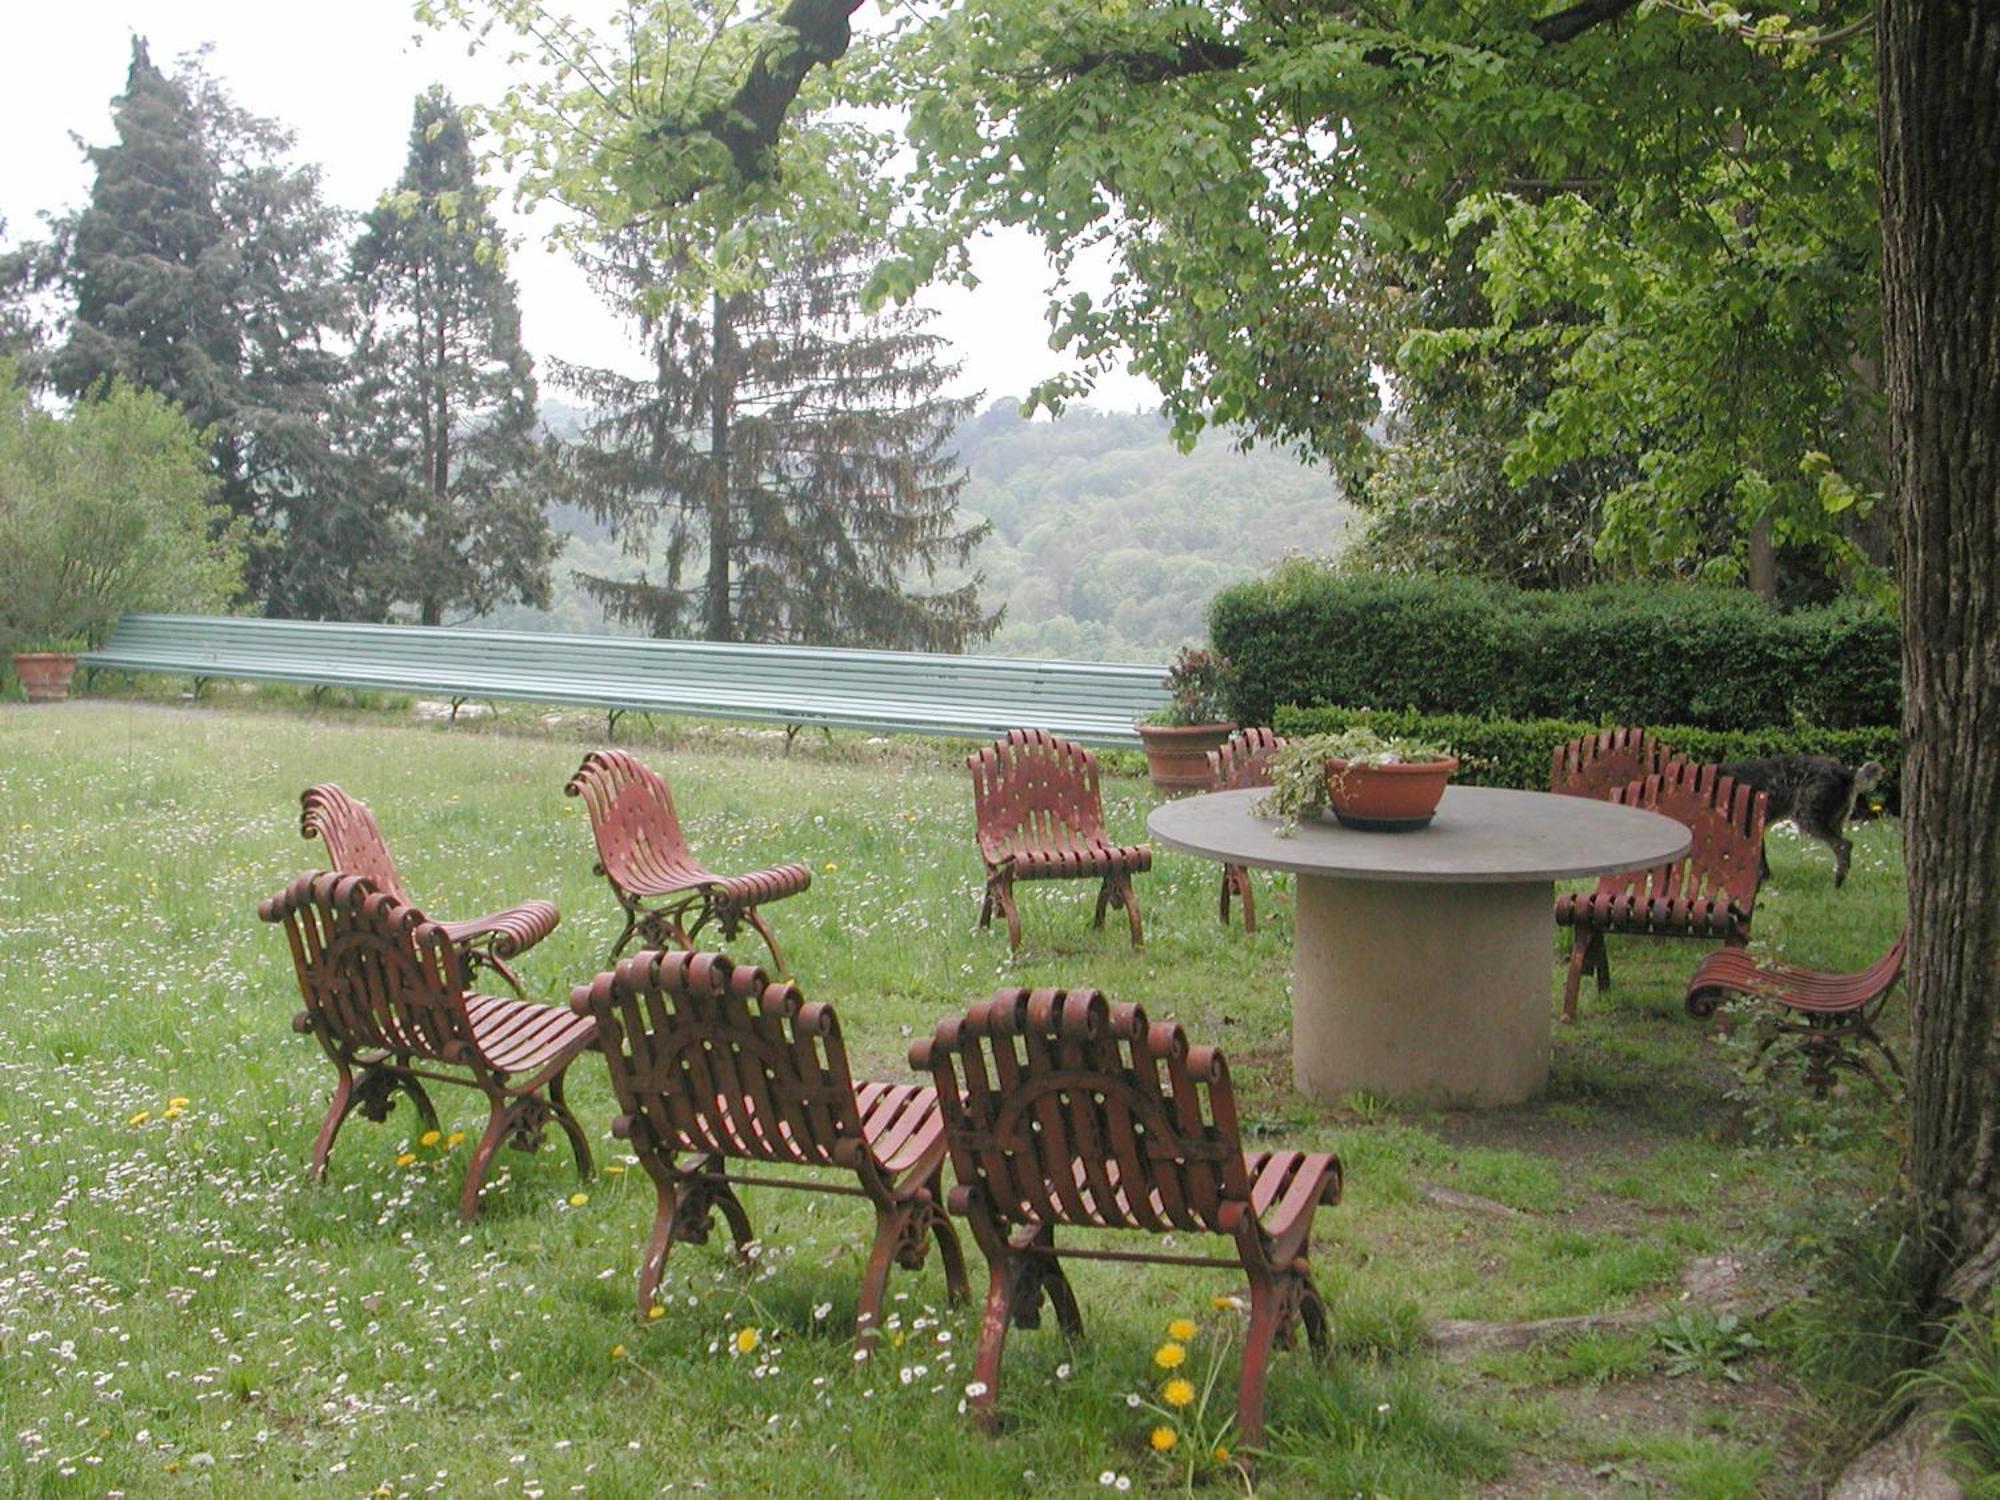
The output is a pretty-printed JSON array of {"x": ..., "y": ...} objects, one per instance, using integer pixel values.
[
  {"x": 354, "y": 842},
  {"x": 375, "y": 974},
  {"x": 1244, "y": 760},
  {"x": 1596, "y": 765},
  {"x": 1726, "y": 818},
  {"x": 1061, "y": 1108},
  {"x": 714, "y": 1059},
  {"x": 631, "y": 816},
  {"x": 1034, "y": 790}
]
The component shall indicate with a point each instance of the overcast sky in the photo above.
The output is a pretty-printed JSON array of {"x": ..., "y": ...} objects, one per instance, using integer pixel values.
[{"x": 342, "y": 78}]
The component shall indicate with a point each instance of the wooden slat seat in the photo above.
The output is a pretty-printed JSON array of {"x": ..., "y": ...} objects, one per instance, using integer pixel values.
[
  {"x": 643, "y": 854},
  {"x": 1596, "y": 765},
  {"x": 354, "y": 844},
  {"x": 1709, "y": 893},
  {"x": 1039, "y": 815},
  {"x": 1827, "y": 1010},
  {"x": 714, "y": 1064},
  {"x": 1243, "y": 760},
  {"x": 387, "y": 999},
  {"x": 794, "y": 686},
  {"x": 1062, "y": 1109}
]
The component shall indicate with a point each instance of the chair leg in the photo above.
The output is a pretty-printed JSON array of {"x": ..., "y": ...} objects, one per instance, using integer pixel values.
[
  {"x": 751, "y": 916},
  {"x": 579, "y": 1144},
  {"x": 1105, "y": 894},
  {"x": 1249, "y": 899},
  {"x": 1001, "y": 891},
  {"x": 336, "y": 1114},
  {"x": 1129, "y": 899},
  {"x": 1579, "y": 954},
  {"x": 483, "y": 959},
  {"x": 631, "y": 926},
  {"x": 1602, "y": 955},
  {"x": 986, "y": 908},
  {"x": 499, "y": 1125},
  {"x": 653, "y": 1264},
  {"x": 892, "y": 1228},
  {"x": 1264, "y": 1317},
  {"x": 1228, "y": 889}
]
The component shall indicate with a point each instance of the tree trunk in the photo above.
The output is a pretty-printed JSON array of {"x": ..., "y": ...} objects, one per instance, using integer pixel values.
[
  {"x": 1939, "y": 62},
  {"x": 722, "y": 397},
  {"x": 1763, "y": 561}
]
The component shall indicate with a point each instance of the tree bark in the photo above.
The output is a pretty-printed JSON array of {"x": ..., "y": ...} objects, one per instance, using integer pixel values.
[{"x": 1939, "y": 65}]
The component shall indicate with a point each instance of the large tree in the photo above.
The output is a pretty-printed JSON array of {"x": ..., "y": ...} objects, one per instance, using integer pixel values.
[
  {"x": 448, "y": 441},
  {"x": 786, "y": 472},
  {"x": 205, "y": 268}
]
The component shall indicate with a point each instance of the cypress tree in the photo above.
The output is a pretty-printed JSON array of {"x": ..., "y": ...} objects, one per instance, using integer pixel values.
[
  {"x": 786, "y": 473},
  {"x": 449, "y": 389}
]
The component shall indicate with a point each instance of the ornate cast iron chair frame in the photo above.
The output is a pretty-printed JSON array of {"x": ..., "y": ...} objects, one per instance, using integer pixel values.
[
  {"x": 656, "y": 878},
  {"x": 355, "y": 845},
  {"x": 712, "y": 1063},
  {"x": 1244, "y": 760},
  {"x": 386, "y": 994},
  {"x": 1062, "y": 1109},
  {"x": 1039, "y": 815},
  {"x": 1823, "y": 1013},
  {"x": 1710, "y": 892},
  {"x": 1596, "y": 765}
]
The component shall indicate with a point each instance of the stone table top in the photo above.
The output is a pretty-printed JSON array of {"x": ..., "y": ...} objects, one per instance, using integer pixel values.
[{"x": 1481, "y": 835}]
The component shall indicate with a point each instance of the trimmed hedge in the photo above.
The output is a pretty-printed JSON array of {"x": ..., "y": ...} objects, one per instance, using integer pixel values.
[
  {"x": 1626, "y": 653},
  {"x": 1515, "y": 752}
]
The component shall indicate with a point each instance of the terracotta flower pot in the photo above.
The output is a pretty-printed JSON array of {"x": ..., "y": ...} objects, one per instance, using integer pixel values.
[
  {"x": 1177, "y": 754},
  {"x": 1387, "y": 799},
  {"x": 45, "y": 674}
]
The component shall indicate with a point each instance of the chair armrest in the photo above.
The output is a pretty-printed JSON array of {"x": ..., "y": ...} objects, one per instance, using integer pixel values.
[{"x": 506, "y": 933}]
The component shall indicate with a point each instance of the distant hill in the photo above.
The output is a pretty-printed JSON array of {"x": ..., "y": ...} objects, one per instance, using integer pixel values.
[{"x": 1107, "y": 540}]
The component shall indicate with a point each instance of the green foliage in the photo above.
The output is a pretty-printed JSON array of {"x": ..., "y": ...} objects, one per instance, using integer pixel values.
[
  {"x": 1965, "y": 1384},
  {"x": 1516, "y": 752},
  {"x": 1707, "y": 1344},
  {"x": 105, "y": 510},
  {"x": 1199, "y": 682},
  {"x": 1631, "y": 653},
  {"x": 1300, "y": 777}
]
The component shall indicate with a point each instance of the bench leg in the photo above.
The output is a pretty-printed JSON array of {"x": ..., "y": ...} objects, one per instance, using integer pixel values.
[
  {"x": 1017, "y": 1279},
  {"x": 579, "y": 1143},
  {"x": 1000, "y": 892},
  {"x": 902, "y": 1238},
  {"x": 1236, "y": 883},
  {"x": 1129, "y": 899},
  {"x": 1586, "y": 952}
]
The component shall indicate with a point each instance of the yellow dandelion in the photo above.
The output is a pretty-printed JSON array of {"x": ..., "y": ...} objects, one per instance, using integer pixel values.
[
  {"x": 655, "y": 1311},
  {"x": 430, "y": 1138},
  {"x": 1181, "y": 1329},
  {"x": 615, "y": 1169},
  {"x": 1221, "y": 1454},
  {"x": 140, "y": 1118},
  {"x": 1177, "y": 1392},
  {"x": 746, "y": 1340},
  {"x": 1163, "y": 1438},
  {"x": 617, "y": 1351},
  {"x": 577, "y": 1200},
  {"x": 406, "y": 1158},
  {"x": 1225, "y": 1304},
  {"x": 1170, "y": 1356},
  {"x": 179, "y": 1101},
  {"x": 830, "y": 865},
  {"x": 171, "y": 1112},
  {"x": 456, "y": 1138}
]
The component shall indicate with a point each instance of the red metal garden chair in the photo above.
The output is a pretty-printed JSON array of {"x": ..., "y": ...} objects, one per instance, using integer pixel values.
[
  {"x": 1596, "y": 765},
  {"x": 1709, "y": 893},
  {"x": 1039, "y": 815},
  {"x": 712, "y": 1063},
  {"x": 355, "y": 846},
  {"x": 1244, "y": 760},
  {"x": 387, "y": 998},
  {"x": 642, "y": 853},
  {"x": 1062, "y": 1109}
]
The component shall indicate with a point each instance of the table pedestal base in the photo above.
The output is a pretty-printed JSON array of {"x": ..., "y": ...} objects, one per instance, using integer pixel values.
[{"x": 1437, "y": 993}]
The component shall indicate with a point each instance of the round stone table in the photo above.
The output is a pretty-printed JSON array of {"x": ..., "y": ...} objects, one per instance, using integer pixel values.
[{"x": 1421, "y": 960}]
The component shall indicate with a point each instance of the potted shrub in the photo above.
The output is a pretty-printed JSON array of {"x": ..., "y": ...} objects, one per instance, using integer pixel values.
[
  {"x": 104, "y": 510},
  {"x": 1179, "y": 736},
  {"x": 1382, "y": 783}
]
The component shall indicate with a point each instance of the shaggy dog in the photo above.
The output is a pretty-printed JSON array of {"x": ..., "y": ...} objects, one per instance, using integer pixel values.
[{"x": 1816, "y": 792}]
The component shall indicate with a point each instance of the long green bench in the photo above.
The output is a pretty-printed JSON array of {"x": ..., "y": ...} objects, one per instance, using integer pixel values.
[{"x": 796, "y": 686}]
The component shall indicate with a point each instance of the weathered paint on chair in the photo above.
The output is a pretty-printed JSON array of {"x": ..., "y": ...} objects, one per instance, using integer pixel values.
[
  {"x": 387, "y": 999},
  {"x": 1243, "y": 761},
  {"x": 355, "y": 845},
  {"x": 713, "y": 1063},
  {"x": 1039, "y": 815},
  {"x": 643, "y": 854},
  {"x": 1596, "y": 765},
  {"x": 1710, "y": 892},
  {"x": 1064, "y": 1110}
]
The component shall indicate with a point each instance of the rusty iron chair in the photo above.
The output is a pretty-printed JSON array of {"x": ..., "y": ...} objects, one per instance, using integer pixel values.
[
  {"x": 1040, "y": 816},
  {"x": 1824, "y": 1012},
  {"x": 1244, "y": 760},
  {"x": 1596, "y": 765},
  {"x": 643, "y": 854},
  {"x": 386, "y": 996},
  {"x": 712, "y": 1063},
  {"x": 1062, "y": 1109},
  {"x": 1709, "y": 893},
  {"x": 355, "y": 845}
]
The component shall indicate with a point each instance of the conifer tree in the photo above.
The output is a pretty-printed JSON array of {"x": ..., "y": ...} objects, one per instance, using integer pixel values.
[
  {"x": 786, "y": 471},
  {"x": 449, "y": 390}
]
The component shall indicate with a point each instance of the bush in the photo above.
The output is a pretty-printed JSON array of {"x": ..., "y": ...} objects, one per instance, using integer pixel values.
[
  {"x": 1516, "y": 752},
  {"x": 1627, "y": 653}
]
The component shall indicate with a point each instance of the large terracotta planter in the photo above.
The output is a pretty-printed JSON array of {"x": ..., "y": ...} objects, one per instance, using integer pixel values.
[
  {"x": 45, "y": 674},
  {"x": 1387, "y": 799},
  {"x": 1177, "y": 754}
]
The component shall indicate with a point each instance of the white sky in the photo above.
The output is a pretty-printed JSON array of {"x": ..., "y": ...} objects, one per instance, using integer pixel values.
[{"x": 342, "y": 77}]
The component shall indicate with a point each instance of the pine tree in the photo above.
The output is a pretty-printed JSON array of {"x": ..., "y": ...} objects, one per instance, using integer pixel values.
[
  {"x": 204, "y": 268},
  {"x": 20, "y": 331},
  {"x": 786, "y": 470},
  {"x": 450, "y": 389}
]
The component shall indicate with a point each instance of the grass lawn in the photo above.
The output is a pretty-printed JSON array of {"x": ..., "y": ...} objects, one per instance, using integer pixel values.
[{"x": 182, "y": 1312}]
